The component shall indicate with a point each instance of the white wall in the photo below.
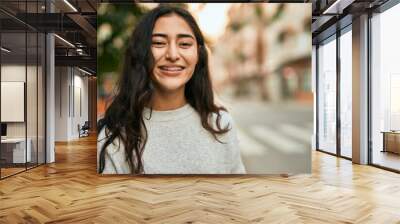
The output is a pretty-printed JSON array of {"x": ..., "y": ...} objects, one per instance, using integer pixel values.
[
  {"x": 79, "y": 103},
  {"x": 70, "y": 84},
  {"x": 61, "y": 103}
]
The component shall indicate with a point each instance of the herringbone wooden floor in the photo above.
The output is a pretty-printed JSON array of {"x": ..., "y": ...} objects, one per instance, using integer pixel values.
[{"x": 70, "y": 191}]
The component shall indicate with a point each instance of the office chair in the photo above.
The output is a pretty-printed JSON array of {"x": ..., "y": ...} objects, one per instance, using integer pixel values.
[{"x": 84, "y": 130}]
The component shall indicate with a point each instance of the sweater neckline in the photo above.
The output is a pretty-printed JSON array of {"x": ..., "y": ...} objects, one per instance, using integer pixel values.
[{"x": 167, "y": 115}]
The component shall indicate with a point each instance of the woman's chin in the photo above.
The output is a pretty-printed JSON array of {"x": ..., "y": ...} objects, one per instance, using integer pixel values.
[
  {"x": 170, "y": 83},
  {"x": 171, "y": 86}
]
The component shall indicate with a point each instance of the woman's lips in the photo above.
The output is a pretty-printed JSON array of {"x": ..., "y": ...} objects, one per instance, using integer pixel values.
[{"x": 171, "y": 70}]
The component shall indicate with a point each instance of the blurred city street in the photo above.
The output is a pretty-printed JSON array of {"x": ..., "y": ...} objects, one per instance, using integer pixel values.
[
  {"x": 259, "y": 63},
  {"x": 274, "y": 137}
]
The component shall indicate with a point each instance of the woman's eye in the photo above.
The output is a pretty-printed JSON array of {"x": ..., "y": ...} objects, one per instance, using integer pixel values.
[
  {"x": 185, "y": 44},
  {"x": 158, "y": 43}
]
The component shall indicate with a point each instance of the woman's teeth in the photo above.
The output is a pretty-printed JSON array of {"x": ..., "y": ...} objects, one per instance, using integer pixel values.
[{"x": 174, "y": 68}]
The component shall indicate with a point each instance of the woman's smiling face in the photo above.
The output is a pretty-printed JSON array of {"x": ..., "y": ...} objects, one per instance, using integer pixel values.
[{"x": 175, "y": 51}]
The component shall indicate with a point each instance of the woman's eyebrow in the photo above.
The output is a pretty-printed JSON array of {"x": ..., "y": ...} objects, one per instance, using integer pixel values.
[
  {"x": 160, "y": 35},
  {"x": 181, "y": 35}
]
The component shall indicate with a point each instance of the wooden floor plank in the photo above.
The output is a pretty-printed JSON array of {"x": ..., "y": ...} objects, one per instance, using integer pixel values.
[{"x": 70, "y": 191}]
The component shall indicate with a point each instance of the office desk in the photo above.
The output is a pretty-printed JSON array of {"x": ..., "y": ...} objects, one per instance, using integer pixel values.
[
  {"x": 391, "y": 141},
  {"x": 13, "y": 150}
]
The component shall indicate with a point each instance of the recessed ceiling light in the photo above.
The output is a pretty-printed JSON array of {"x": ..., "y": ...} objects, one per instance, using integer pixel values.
[
  {"x": 70, "y": 5},
  {"x": 65, "y": 41},
  {"x": 5, "y": 49},
  {"x": 84, "y": 71},
  {"x": 337, "y": 7}
]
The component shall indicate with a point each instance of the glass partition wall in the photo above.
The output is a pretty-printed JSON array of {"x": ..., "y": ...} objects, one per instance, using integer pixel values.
[
  {"x": 327, "y": 95},
  {"x": 385, "y": 89},
  {"x": 334, "y": 80},
  {"x": 22, "y": 107},
  {"x": 346, "y": 92},
  {"x": 13, "y": 88}
]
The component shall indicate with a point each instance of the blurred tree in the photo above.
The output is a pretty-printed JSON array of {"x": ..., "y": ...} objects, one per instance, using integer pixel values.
[
  {"x": 261, "y": 51},
  {"x": 178, "y": 4},
  {"x": 115, "y": 24}
]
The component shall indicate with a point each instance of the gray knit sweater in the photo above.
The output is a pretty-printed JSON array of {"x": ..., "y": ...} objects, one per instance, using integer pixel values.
[{"x": 178, "y": 144}]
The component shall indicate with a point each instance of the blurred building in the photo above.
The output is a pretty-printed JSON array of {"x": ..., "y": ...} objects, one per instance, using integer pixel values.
[{"x": 259, "y": 42}]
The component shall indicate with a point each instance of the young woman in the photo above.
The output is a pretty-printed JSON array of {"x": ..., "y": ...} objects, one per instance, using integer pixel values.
[{"x": 163, "y": 120}]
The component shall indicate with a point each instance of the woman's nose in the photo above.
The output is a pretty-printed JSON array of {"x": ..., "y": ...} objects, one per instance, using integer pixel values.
[{"x": 172, "y": 53}]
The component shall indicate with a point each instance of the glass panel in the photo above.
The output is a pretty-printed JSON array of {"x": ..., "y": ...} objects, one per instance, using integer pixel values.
[
  {"x": 13, "y": 87},
  {"x": 22, "y": 67},
  {"x": 313, "y": 76},
  {"x": 32, "y": 73},
  {"x": 327, "y": 96},
  {"x": 41, "y": 42},
  {"x": 346, "y": 94},
  {"x": 386, "y": 89},
  {"x": 31, "y": 97},
  {"x": 41, "y": 98}
]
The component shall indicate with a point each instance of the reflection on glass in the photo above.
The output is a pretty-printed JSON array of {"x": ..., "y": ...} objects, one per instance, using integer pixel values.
[{"x": 327, "y": 96}]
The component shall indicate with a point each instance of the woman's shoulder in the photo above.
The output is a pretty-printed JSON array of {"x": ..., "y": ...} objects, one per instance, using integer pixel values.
[
  {"x": 224, "y": 117},
  {"x": 101, "y": 130},
  {"x": 114, "y": 153},
  {"x": 102, "y": 136}
]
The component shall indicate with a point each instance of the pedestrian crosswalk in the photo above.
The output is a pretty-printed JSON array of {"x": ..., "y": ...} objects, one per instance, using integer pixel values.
[
  {"x": 274, "y": 137},
  {"x": 285, "y": 138},
  {"x": 296, "y": 132},
  {"x": 249, "y": 146},
  {"x": 277, "y": 139}
]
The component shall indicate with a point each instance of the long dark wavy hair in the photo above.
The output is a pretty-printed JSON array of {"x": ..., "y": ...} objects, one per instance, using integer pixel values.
[{"x": 123, "y": 118}]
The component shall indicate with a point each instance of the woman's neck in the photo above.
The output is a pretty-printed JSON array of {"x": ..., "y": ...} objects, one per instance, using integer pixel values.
[{"x": 168, "y": 101}]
